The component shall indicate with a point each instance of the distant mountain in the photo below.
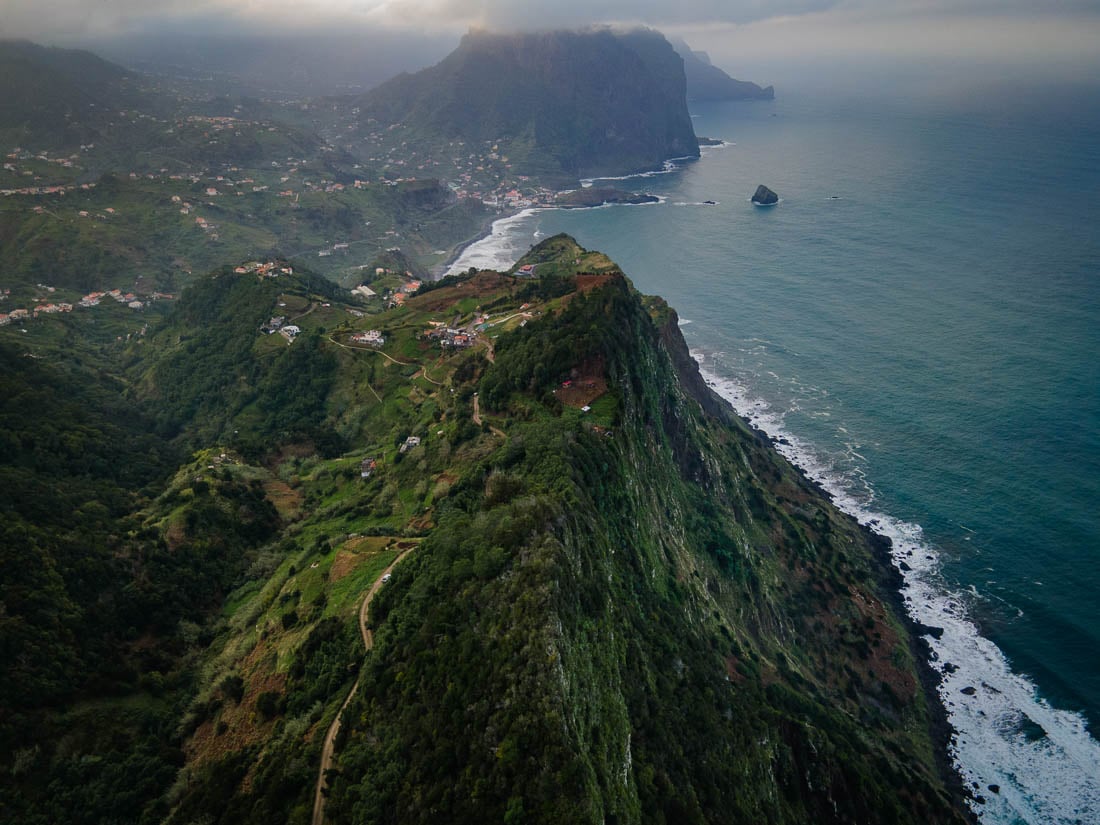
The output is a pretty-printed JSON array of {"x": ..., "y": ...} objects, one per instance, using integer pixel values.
[
  {"x": 58, "y": 97},
  {"x": 705, "y": 81},
  {"x": 590, "y": 102}
]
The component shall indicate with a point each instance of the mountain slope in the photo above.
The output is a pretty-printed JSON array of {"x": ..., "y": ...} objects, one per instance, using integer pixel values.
[
  {"x": 636, "y": 614},
  {"x": 53, "y": 97},
  {"x": 621, "y": 604},
  {"x": 595, "y": 102},
  {"x": 705, "y": 81}
]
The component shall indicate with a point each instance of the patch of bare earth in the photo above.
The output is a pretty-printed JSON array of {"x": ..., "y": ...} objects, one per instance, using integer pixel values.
[
  {"x": 286, "y": 499},
  {"x": 484, "y": 283},
  {"x": 236, "y": 726},
  {"x": 588, "y": 281},
  {"x": 585, "y": 384}
]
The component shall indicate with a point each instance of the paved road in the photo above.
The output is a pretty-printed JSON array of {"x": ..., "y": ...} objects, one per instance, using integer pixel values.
[{"x": 328, "y": 749}]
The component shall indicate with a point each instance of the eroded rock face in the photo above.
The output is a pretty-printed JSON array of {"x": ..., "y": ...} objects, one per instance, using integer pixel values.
[
  {"x": 581, "y": 104},
  {"x": 763, "y": 196}
]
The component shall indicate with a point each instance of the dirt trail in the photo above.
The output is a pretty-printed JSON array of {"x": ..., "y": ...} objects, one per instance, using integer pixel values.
[{"x": 328, "y": 749}]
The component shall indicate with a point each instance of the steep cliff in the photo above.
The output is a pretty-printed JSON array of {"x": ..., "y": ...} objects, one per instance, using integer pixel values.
[
  {"x": 612, "y": 600},
  {"x": 705, "y": 81},
  {"x": 593, "y": 102},
  {"x": 636, "y": 612}
]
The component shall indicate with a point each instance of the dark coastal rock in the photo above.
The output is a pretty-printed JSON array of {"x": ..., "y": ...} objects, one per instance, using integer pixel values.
[
  {"x": 969, "y": 690},
  {"x": 763, "y": 196},
  {"x": 929, "y": 630},
  {"x": 596, "y": 196}
]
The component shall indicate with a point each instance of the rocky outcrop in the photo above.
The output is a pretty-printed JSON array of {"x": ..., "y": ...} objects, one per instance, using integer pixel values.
[
  {"x": 599, "y": 196},
  {"x": 763, "y": 196},
  {"x": 595, "y": 102},
  {"x": 705, "y": 81}
]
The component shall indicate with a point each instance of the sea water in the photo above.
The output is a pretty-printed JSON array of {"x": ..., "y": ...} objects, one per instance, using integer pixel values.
[{"x": 918, "y": 321}]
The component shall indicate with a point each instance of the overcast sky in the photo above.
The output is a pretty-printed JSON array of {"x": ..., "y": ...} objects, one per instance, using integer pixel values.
[{"x": 737, "y": 33}]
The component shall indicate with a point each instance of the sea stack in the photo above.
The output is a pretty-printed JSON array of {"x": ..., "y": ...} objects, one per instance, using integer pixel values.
[{"x": 763, "y": 196}]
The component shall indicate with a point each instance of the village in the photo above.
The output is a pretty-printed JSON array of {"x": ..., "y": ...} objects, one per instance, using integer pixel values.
[{"x": 45, "y": 306}]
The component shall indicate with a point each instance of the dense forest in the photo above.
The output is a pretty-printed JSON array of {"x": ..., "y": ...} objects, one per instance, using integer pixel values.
[{"x": 613, "y": 605}]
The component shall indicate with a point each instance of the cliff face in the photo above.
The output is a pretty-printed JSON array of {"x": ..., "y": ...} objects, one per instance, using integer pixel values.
[
  {"x": 650, "y": 619},
  {"x": 614, "y": 603},
  {"x": 705, "y": 81},
  {"x": 595, "y": 102}
]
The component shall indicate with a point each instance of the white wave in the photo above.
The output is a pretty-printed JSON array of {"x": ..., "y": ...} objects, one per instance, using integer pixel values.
[
  {"x": 505, "y": 244},
  {"x": 1042, "y": 759},
  {"x": 669, "y": 166}
]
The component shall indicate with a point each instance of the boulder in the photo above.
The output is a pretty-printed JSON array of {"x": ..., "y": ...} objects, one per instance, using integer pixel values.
[{"x": 763, "y": 196}]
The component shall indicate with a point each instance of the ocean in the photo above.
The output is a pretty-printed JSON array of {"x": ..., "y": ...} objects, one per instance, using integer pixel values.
[{"x": 918, "y": 322}]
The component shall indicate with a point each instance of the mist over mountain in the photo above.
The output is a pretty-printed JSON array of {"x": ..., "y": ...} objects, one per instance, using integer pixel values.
[
  {"x": 278, "y": 64},
  {"x": 594, "y": 102},
  {"x": 705, "y": 81},
  {"x": 54, "y": 96}
]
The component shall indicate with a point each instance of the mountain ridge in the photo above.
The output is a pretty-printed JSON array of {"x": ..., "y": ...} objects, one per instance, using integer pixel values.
[
  {"x": 593, "y": 102},
  {"x": 705, "y": 81}
]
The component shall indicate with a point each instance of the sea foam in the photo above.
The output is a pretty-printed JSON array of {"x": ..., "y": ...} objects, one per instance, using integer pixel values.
[
  {"x": 503, "y": 246},
  {"x": 1042, "y": 760}
]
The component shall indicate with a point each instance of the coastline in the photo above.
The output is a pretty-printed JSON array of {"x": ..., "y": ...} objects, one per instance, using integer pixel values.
[
  {"x": 496, "y": 226},
  {"x": 985, "y": 714},
  {"x": 702, "y": 386},
  {"x": 887, "y": 552},
  {"x": 1000, "y": 730}
]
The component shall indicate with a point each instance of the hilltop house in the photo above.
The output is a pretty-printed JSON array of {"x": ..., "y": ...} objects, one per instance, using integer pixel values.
[
  {"x": 373, "y": 337},
  {"x": 364, "y": 291},
  {"x": 367, "y": 467}
]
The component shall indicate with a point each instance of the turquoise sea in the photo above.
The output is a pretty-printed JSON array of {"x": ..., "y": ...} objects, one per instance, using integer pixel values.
[{"x": 918, "y": 321}]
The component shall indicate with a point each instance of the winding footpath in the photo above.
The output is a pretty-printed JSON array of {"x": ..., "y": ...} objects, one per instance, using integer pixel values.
[{"x": 328, "y": 754}]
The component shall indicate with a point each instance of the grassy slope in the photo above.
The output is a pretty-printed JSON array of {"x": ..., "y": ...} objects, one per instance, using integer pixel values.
[
  {"x": 574, "y": 644},
  {"x": 639, "y": 612}
]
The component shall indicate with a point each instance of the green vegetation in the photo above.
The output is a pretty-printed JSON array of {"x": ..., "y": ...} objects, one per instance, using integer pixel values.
[
  {"x": 571, "y": 645},
  {"x": 555, "y": 104},
  {"x": 622, "y": 605}
]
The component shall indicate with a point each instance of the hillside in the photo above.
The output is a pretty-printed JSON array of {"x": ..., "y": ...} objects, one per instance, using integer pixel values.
[
  {"x": 614, "y": 601},
  {"x": 58, "y": 97},
  {"x": 557, "y": 103},
  {"x": 705, "y": 81}
]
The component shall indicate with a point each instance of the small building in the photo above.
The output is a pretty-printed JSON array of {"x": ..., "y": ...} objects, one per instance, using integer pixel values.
[
  {"x": 373, "y": 337},
  {"x": 364, "y": 291},
  {"x": 410, "y": 442},
  {"x": 366, "y": 468},
  {"x": 290, "y": 331}
]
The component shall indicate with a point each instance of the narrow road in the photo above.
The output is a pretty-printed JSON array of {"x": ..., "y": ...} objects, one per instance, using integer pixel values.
[
  {"x": 477, "y": 419},
  {"x": 328, "y": 749},
  {"x": 374, "y": 349},
  {"x": 312, "y": 307}
]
